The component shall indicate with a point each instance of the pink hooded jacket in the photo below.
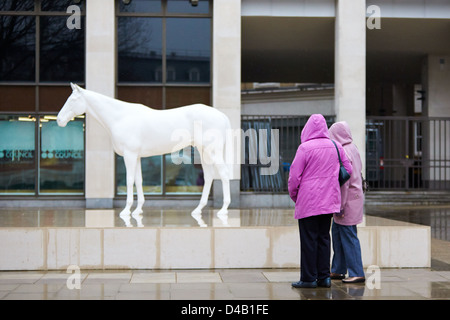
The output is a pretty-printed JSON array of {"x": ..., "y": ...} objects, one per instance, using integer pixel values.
[
  {"x": 313, "y": 178},
  {"x": 352, "y": 196}
]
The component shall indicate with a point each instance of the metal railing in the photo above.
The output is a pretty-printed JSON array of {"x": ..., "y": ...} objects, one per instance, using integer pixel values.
[
  {"x": 402, "y": 153},
  {"x": 408, "y": 153}
]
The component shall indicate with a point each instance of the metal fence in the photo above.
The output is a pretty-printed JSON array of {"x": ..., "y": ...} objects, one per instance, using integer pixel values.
[
  {"x": 408, "y": 153},
  {"x": 402, "y": 153}
]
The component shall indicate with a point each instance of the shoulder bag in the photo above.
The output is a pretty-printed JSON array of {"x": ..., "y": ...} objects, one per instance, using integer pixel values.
[{"x": 343, "y": 174}]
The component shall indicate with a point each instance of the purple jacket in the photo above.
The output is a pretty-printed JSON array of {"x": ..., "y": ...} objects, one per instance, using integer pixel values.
[
  {"x": 352, "y": 196},
  {"x": 313, "y": 178}
]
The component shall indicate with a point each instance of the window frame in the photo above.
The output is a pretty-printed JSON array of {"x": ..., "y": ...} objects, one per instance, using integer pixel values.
[
  {"x": 37, "y": 84},
  {"x": 164, "y": 14}
]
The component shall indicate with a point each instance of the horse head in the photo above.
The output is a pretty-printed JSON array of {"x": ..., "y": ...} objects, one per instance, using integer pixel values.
[{"x": 74, "y": 106}]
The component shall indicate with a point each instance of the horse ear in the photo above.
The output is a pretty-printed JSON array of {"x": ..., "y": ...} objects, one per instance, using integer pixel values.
[{"x": 75, "y": 87}]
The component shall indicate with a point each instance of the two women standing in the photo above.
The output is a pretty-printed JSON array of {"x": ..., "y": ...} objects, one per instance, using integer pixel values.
[{"x": 314, "y": 187}]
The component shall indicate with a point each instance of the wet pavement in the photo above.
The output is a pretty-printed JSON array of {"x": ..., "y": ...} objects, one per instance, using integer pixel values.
[
  {"x": 226, "y": 284},
  {"x": 239, "y": 284}
]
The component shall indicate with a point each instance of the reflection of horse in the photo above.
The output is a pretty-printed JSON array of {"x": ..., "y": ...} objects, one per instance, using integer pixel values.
[{"x": 139, "y": 131}]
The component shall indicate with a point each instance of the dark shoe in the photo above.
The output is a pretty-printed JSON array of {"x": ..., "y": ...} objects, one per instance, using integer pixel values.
[
  {"x": 337, "y": 276},
  {"x": 304, "y": 284},
  {"x": 326, "y": 283},
  {"x": 354, "y": 280}
]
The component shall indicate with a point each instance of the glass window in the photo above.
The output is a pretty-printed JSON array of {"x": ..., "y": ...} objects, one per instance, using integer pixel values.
[
  {"x": 17, "y": 161},
  {"x": 62, "y": 50},
  {"x": 61, "y": 167},
  {"x": 188, "y": 50},
  {"x": 17, "y": 48},
  {"x": 140, "y": 48},
  {"x": 140, "y": 6},
  {"x": 186, "y": 6},
  {"x": 184, "y": 174},
  {"x": 37, "y": 156},
  {"x": 151, "y": 175},
  {"x": 17, "y": 98},
  {"x": 16, "y": 5}
]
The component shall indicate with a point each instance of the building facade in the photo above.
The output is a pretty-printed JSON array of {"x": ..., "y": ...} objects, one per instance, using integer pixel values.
[{"x": 383, "y": 66}]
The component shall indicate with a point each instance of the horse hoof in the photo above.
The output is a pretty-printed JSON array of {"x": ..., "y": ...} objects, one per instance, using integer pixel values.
[
  {"x": 222, "y": 212},
  {"x": 125, "y": 213},
  {"x": 127, "y": 221},
  {"x": 138, "y": 219},
  {"x": 224, "y": 219}
]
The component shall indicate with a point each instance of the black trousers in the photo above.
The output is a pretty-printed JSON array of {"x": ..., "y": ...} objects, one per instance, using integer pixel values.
[{"x": 315, "y": 247}]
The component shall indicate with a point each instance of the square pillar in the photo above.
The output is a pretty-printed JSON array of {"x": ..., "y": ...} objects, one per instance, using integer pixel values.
[
  {"x": 100, "y": 77},
  {"x": 227, "y": 81},
  {"x": 435, "y": 132},
  {"x": 350, "y": 70}
]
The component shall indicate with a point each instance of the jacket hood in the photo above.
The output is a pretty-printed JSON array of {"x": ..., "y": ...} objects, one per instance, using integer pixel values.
[
  {"x": 315, "y": 127},
  {"x": 340, "y": 132}
]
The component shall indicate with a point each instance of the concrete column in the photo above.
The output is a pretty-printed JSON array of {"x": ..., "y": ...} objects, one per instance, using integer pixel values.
[
  {"x": 437, "y": 95},
  {"x": 100, "y": 77},
  {"x": 350, "y": 69},
  {"x": 227, "y": 78},
  {"x": 436, "y": 141}
]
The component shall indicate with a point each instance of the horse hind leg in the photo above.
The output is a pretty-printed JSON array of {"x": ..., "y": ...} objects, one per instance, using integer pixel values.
[
  {"x": 139, "y": 189},
  {"x": 224, "y": 174},
  {"x": 223, "y": 171},
  {"x": 214, "y": 158}
]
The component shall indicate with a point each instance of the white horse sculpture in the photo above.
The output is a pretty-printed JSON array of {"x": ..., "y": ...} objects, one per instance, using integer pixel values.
[{"x": 138, "y": 131}]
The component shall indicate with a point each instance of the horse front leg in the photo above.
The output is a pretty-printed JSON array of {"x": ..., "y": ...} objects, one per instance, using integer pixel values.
[
  {"x": 139, "y": 189},
  {"x": 130, "y": 160}
]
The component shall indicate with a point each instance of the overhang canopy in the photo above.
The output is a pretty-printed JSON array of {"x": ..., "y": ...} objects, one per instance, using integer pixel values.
[{"x": 301, "y": 49}]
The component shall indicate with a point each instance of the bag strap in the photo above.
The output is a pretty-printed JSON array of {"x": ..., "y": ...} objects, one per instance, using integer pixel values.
[{"x": 339, "y": 156}]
